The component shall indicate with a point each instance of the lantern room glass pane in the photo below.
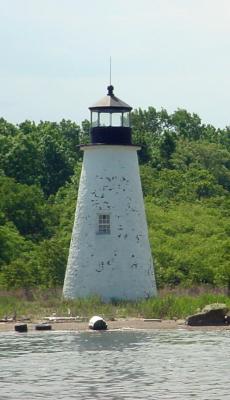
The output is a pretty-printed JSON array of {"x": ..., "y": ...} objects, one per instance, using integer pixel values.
[
  {"x": 94, "y": 119},
  {"x": 104, "y": 119},
  {"x": 108, "y": 118},
  {"x": 126, "y": 119},
  {"x": 117, "y": 119}
]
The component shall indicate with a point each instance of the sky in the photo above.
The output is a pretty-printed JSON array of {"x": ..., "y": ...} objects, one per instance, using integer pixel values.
[{"x": 54, "y": 57}]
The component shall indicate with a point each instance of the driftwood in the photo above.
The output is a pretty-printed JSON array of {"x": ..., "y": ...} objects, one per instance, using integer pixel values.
[
  {"x": 7, "y": 320},
  {"x": 152, "y": 320},
  {"x": 66, "y": 319}
]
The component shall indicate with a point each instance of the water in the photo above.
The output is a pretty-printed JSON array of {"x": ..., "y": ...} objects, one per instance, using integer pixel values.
[{"x": 115, "y": 365}]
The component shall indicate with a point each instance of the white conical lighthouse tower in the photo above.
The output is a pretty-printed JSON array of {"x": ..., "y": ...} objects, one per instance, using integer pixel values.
[{"x": 110, "y": 254}]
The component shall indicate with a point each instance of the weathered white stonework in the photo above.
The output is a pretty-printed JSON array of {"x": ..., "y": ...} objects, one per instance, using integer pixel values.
[{"x": 116, "y": 265}]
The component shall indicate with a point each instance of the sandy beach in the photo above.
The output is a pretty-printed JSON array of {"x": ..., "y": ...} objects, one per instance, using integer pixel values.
[{"x": 121, "y": 324}]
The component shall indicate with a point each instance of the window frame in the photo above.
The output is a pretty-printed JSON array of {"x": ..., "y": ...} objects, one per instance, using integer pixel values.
[{"x": 103, "y": 224}]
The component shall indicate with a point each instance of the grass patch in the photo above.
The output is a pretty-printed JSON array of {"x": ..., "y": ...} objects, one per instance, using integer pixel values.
[{"x": 39, "y": 304}]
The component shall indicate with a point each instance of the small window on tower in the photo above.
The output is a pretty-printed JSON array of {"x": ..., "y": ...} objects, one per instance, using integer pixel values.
[{"x": 103, "y": 223}]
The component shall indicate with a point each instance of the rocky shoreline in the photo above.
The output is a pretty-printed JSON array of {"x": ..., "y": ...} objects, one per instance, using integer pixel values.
[{"x": 119, "y": 324}]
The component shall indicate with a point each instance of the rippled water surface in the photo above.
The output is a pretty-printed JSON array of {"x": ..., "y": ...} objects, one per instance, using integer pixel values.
[{"x": 155, "y": 365}]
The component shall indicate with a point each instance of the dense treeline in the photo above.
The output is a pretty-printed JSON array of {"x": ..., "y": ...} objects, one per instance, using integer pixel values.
[{"x": 185, "y": 172}]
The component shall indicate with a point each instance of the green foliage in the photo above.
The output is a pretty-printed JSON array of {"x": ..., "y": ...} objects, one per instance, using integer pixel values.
[
  {"x": 185, "y": 173},
  {"x": 7, "y": 129},
  {"x": 208, "y": 156},
  {"x": 190, "y": 243},
  {"x": 169, "y": 185},
  {"x": 17, "y": 274},
  {"x": 56, "y": 167},
  {"x": 26, "y": 208},
  {"x": 187, "y": 125},
  {"x": 52, "y": 258},
  {"x": 21, "y": 159},
  {"x": 43, "y": 154},
  {"x": 12, "y": 244}
]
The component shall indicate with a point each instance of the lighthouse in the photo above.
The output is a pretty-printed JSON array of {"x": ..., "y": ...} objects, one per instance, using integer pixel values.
[{"x": 109, "y": 254}]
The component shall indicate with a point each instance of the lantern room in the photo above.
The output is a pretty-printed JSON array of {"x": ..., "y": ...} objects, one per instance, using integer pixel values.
[{"x": 110, "y": 121}]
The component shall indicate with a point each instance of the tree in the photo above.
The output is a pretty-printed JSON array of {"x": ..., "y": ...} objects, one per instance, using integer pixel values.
[
  {"x": 26, "y": 208},
  {"x": 56, "y": 167},
  {"x": 224, "y": 137},
  {"x": 12, "y": 244},
  {"x": 22, "y": 160},
  {"x": 190, "y": 244},
  {"x": 210, "y": 156},
  {"x": 17, "y": 274},
  {"x": 187, "y": 126},
  {"x": 52, "y": 260},
  {"x": 7, "y": 129},
  {"x": 167, "y": 148}
]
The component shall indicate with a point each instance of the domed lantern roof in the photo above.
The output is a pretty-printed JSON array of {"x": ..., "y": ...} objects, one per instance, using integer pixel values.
[
  {"x": 110, "y": 120},
  {"x": 110, "y": 102}
]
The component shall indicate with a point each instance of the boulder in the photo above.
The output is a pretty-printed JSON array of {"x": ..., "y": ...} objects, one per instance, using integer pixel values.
[{"x": 212, "y": 314}]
